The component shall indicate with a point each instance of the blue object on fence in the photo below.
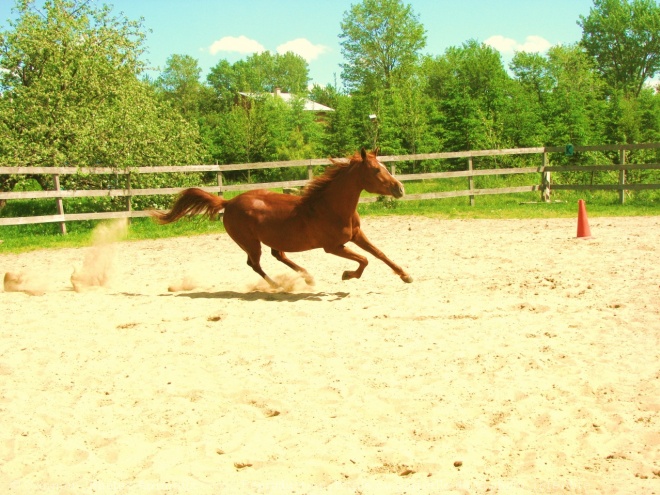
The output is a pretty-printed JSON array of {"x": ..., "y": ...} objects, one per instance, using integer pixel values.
[{"x": 569, "y": 150}]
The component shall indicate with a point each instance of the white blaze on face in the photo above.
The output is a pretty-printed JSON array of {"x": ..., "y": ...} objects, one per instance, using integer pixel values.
[
  {"x": 401, "y": 190},
  {"x": 383, "y": 167}
]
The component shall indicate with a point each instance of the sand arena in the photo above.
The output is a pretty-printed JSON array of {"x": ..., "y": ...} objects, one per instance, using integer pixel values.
[{"x": 521, "y": 360}]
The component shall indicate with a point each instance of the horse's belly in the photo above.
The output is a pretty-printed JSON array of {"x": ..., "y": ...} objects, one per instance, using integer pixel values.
[
  {"x": 291, "y": 237},
  {"x": 287, "y": 235},
  {"x": 275, "y": 221}
]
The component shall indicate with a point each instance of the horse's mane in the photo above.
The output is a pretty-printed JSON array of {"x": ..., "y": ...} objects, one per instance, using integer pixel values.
[{"x": 320, "y": 184}]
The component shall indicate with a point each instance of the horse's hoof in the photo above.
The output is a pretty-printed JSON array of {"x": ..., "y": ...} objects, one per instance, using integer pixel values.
[
  {"x": 407, "y": 279},
  {"x": 309, "y": 280},
  {"x": 347, "y": 276}
]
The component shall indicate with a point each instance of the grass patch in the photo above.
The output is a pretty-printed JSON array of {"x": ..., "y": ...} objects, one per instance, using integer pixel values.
[
  {"x": 520, "y": 206},
  {"x": 22, "y": 238},
  {"x": 16, "y": 239}
]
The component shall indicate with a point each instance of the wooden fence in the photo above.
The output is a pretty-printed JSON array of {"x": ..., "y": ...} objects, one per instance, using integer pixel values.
[{"x": 544, "y": 185}]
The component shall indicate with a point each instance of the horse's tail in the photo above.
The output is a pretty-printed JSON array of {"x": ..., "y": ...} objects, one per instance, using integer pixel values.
[{"x": 190, "y": 202}]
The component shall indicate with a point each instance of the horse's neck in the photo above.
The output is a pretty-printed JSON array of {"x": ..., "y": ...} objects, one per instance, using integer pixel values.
[{"x": 342, "y": 195}]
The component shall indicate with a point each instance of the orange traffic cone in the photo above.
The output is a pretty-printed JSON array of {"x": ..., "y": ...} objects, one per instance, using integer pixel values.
[{"x": 583, "y": 229}]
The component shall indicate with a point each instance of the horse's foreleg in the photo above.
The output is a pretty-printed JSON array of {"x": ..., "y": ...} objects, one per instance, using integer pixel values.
[
  {"x": 280, "y": 256},
  {"x": 344, "y": 252},
  {"x": 361, "y": 240}
]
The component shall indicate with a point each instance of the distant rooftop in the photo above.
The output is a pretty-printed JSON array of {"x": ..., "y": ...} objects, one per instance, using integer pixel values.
[{"x": 310, "y": 106}]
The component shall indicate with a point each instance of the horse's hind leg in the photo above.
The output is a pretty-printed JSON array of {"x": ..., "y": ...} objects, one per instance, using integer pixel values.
[
  {"x": 280, "y": 256},
  {"x": 247, "y": 242},
  {"x": 254, "y": 261}
]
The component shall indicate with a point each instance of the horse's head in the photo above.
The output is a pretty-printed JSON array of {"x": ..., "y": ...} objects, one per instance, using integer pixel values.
[{"x": 375, "y": 177}]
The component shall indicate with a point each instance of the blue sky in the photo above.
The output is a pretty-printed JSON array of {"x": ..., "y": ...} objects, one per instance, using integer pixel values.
[{"x": 212, "y": 30}]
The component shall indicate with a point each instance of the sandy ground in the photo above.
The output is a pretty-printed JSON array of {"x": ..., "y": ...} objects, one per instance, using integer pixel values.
[{"x": 521, "y": 360}]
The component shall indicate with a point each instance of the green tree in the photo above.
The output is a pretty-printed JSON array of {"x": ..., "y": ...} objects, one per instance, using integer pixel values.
[
  {"x": 341, "y": 138},
  {"x": 325, "y": 95},
  {"x": 633, "y": 119},
  {"x": 71, "y": 94},
  {"x": 180, "y": 85},
  {"x": 302, "y": 136},
  {"x": 530, "y": 95},
  {"x": 222, "y": 80},
  {"x": 575, "y": 111},
  {"x": 381, "y": 41},
  {"x": 531, "y": 70},
  {"x": 290, "y": 74},
  {"x": 257, "y": 127},
  {"x": 468, "y": 84},
  {"x": 250, "y": 132},
  {"x": 260, "y": 72},
  {"x": 522, "y": 119},
  {"x": 410, "y": 115},
  {"x": 623, "y": 36}
]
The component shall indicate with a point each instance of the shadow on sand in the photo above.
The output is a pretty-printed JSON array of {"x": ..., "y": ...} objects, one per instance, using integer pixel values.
[{"x": 268, "y": 296}]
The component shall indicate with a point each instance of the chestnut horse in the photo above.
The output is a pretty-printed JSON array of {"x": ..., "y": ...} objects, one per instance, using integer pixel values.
[{"x": 325, "y": 216}]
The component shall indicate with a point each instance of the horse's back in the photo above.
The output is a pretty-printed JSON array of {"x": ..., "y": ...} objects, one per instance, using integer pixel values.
[{"x": 262, "y": 203}]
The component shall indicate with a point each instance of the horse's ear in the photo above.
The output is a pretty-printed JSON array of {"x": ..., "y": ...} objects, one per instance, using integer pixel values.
[
  {"x": 377, "y": 151},
  {"x": 363, "y": 152}
]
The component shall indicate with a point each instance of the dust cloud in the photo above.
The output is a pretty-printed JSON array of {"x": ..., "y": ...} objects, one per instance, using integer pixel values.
[
  {"x": 97, "y": 268},
  {"x": 24, "y": 282}
]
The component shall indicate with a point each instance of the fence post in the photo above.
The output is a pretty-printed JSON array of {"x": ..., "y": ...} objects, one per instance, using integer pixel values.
[
  {"x": 310, "y": 172},
  {"x": 60, "y": 204},
  {"x": 545, "y": 180},
  {"x": 622, "y": 176},
  {"x": 129, "y": 194},
  {"x": 219, "y": 175},
  {"x": 471, "y": 180}
]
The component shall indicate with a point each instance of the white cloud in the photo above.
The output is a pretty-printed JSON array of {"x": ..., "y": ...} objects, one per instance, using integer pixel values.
[
  {"x": 509, "y": 45},
  {"x": 535, "y": 44},
  {"x": 303, "y": 47},
  {"x": 242, "y": 44},
  {"x": 501, "y": 44}
]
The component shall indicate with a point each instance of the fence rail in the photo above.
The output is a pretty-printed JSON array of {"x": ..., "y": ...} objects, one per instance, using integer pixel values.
[{"x": 543, "y": 185}]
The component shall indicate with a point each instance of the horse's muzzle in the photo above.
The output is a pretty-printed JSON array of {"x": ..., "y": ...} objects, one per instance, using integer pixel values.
[{"x": 398, "y": 190}]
